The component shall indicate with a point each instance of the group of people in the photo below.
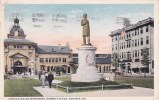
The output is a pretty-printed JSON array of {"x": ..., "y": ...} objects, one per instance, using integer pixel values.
[{"x": 46, "y": 78}]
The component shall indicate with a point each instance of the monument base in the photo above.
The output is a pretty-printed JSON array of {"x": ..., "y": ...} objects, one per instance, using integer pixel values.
[
  {"x": 86, "y": 78},
  {"x": 87, "y": 71}
]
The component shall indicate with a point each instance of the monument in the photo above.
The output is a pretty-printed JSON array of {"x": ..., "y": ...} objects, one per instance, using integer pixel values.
[{"x": 87, "y": 71}]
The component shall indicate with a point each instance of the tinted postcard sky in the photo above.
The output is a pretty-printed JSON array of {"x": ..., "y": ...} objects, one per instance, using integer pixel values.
[{"x": 55, "y": 24}]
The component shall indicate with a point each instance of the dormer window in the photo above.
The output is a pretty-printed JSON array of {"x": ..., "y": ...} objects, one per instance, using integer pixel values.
[{"x": 29, "y": 47}]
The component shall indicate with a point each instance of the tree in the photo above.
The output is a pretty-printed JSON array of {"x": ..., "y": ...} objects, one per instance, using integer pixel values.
[
  {"x": 115, "y": 61},
  {"x": 145, "y": 59}
]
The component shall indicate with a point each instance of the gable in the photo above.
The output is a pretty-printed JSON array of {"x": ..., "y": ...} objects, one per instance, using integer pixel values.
[{"x": 18, "y": 55}]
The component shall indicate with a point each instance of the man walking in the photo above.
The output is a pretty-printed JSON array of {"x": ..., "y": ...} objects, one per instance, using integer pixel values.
[{"x": 50, "y": 78}]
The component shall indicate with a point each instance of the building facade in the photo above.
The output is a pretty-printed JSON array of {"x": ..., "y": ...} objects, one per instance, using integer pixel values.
[
  {"x": 103, "y": 62},
  {"x": 129, "y": 43},
  {"x": 22, "y": 56}
]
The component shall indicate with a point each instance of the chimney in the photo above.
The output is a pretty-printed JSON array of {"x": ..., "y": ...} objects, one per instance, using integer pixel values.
[{"x": 59, "y": 46}]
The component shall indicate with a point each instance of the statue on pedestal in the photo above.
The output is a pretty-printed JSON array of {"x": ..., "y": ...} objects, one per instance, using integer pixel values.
[{"x": 86, "y": 30}]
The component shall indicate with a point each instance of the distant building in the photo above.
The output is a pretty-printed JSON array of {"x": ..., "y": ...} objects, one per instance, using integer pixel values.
[
  {"x": 22, "y": 56},
  {"x": 129, "y": 43},
  {"x": 103, "y": 62}
]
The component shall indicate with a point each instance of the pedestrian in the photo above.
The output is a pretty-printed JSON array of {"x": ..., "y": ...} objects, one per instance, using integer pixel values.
[
  {"x": 50, "y": 78},
  {"x": 40, "y": 72},
  {"x": 43, "y": 80}
]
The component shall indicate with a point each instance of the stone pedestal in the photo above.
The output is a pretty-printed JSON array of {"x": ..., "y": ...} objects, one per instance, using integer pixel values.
[{"x": 87, "y": 71}]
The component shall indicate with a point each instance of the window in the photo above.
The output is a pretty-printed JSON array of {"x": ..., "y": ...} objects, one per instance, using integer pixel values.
[
  {"x": 64, "y": 60},
  {"x": 147, "y": 28},
  {"x": 135, "y": 42},
  {"x": 18, "y": 46},
  {"x": 59, "y": 59},
  {"x": 5, "y": 46},
  {"x": 49, "y": 59},
  {"x": 52, "y": 59},
  {"x": 138, "y": 42},
  {"x": 116, "y": 47},
  {"x": 132, "y": 43},
  {"x": 29, "y": 47},
  {"x": 141, "y": 30},
  {"x": 112, "y": 47},
  {"x": 129, "y": 44},
  {"x": 116, "y": 38},
  {"x": 46, "y": 59},
  {"x": 41, "y": 59},
  {"x": 138, "y": 31},
  {"x": 138, "y": 53},
  {"x": 128, "y": 55},
  {"x": 124, "y": 45},
  {"x": 135, "y": 32},
  {"x": 148, "y": 50},
  {"x": 129, "y": 35},
  {"x": 141, "y": 51},
  {"x": 141, "y": 41},
  {"x": 147, "y": 39},
  {"x": 135, "y": 53},
  {"x": 56, "y": 59}
]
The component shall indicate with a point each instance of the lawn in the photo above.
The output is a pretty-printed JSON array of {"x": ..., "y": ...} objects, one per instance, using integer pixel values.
[
  {"x": 21, "y": 87},
  {"x": 137, "y": 81},
  {"x": 63, "y": 78}
]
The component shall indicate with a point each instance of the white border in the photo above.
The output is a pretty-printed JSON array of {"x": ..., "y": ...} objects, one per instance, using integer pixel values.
[{"x": 156, "y": 40}]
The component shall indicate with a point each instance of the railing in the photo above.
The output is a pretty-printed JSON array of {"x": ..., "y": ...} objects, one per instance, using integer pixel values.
[{"x": 67, "y": 88}]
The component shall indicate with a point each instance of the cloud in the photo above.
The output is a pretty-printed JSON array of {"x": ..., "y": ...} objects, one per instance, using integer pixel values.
[
  {"x": 76, "y": 11},
  {"x": 135, "y": 17}
]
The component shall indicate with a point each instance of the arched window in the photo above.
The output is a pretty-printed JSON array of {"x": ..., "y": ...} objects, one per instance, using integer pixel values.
[{"x": 18, "y": 63}]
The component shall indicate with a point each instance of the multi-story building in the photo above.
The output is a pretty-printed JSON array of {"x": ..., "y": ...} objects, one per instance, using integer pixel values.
[
  {"x": 22, "y": 55},
  {"x": 103, "y": 62},
  {"x": 129, "y": 43}
]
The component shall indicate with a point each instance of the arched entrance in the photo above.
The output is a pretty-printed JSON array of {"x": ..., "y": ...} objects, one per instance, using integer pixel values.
[{"x": 18, "y": 68}]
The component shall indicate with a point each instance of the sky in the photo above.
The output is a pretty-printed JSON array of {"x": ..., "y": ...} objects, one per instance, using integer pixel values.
[{"x": 54, "y": 24}]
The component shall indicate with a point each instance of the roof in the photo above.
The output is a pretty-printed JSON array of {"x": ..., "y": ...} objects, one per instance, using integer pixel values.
[
  {"x": 133, "y": 26},
  {"x": 100, "y": 59},
  {"x": 18, "y": 41},
  {"x": 42, "y": 49}
]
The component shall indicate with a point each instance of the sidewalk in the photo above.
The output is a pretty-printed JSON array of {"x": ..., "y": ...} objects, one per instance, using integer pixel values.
[{"x": 137, "y": 91}]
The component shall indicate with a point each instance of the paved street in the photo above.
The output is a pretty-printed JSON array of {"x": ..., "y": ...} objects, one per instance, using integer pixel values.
[{"x": 137, "y": 91}]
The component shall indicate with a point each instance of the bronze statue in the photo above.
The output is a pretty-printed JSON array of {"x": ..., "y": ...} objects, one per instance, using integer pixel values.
[{"x": 86, "y": 30}]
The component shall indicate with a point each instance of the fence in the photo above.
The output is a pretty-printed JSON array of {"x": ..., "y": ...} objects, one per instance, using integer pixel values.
[{"x": 93, "y": 87}]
